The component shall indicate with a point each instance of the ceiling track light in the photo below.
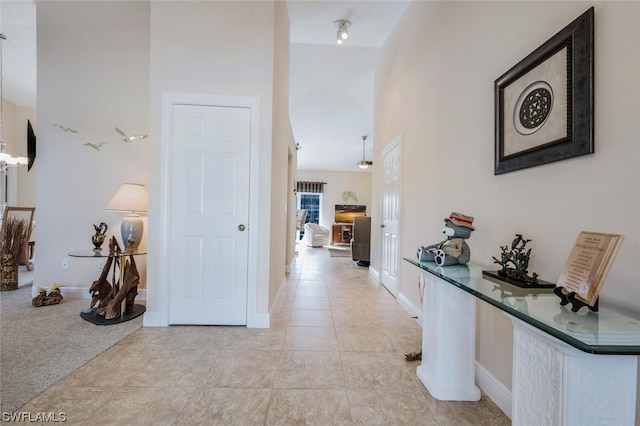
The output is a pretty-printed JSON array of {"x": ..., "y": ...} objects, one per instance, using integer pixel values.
[{"x": 341, "y": 25}]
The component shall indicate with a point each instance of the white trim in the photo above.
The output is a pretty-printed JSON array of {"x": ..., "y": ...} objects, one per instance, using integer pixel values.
[
  {"x": 413, "y": 310},
  {"x": 278, "y": 299},
  {"x": 288, "y": 268},
  {"x": 374, "y": 273},
  {"x": 152, "y": 319},
  {"x": 262, "y": 321},
  {"x": 169, "y": 99},
  {"x": 494, "y": 389}
]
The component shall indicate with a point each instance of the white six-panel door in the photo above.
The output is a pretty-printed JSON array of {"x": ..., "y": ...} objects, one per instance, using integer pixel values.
[
  {"x": 390, "y": 215},
  {"x": 209, "y": 232}
]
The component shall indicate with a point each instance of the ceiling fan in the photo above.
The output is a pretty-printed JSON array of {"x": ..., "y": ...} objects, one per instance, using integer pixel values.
[{"x": 364, "y": 164}]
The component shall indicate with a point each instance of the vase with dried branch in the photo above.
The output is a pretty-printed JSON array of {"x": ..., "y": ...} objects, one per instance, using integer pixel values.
[{"x": 14, "y": 234}]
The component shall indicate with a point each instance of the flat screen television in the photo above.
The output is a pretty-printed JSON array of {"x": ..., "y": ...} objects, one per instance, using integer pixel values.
[{"x": 345, "y": 213}]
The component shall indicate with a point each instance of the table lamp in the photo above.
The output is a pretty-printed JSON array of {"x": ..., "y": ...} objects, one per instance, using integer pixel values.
[{"x": 131, "y": 198}]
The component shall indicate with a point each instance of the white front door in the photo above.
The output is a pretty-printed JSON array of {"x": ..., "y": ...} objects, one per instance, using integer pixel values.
[
  {"x": 209, "y": 233},
  {"x": 391, "y": 189}
]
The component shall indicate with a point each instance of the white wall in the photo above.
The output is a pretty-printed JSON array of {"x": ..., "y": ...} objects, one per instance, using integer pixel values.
[
  {"x": 107, "y": 64},
  {"x": 282, "y": 199},
  {"x": 93, "y": 69},
  {"x": 435, "y": 84},
  {"x": 215, "y": 48},
  {"x": 337, "y": 183}
]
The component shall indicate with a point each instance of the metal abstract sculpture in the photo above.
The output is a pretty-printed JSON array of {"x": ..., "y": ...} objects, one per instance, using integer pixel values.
[{"x": 514, "y": 261}]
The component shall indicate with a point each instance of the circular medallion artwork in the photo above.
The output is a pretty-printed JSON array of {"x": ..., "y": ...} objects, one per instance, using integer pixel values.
[{"x": 533, "y": 108}]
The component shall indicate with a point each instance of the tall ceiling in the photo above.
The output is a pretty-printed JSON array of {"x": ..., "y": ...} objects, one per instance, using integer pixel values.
[
  {"x": 332, "y": 86},
  {"x": 331, "y": 90}
]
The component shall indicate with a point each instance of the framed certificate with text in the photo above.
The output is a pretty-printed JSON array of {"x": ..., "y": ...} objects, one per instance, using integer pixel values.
[{"x": 588, "y": 265}]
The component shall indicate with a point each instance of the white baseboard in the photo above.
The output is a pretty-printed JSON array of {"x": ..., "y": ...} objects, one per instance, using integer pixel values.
[
  {"x": 374, "y": 273},
  {"x": 494, "y": 389},
  {"x": 72, "y": 292},
  {"x": 262, "y": 321},
  {"x": 153, "y": 319},
  {"x": 413, "y": 310},
  {"x": 292, "y": 262},
  {"x": 278, "y": 299}
]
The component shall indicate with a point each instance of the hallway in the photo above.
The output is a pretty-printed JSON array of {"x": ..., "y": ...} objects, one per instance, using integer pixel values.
[{"x": 334, "y": 355}]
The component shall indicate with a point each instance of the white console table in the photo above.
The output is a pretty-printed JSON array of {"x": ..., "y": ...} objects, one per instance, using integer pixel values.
[{"x": 568, "y": 368}]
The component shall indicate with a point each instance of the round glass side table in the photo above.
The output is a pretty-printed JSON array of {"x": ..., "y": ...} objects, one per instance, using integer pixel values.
[{"x": 120, "y": 259}]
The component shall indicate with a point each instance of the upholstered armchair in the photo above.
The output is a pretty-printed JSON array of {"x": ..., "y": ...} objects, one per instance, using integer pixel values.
[
  {"x": 316, "y": 235},
  {"x": 361, "y": 240},
  {"x": 301, "y": 217}
]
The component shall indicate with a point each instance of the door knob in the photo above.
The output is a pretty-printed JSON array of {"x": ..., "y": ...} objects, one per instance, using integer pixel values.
[
  {"x": 382, "y": 226},
  {"x": 241, "y": 227}
]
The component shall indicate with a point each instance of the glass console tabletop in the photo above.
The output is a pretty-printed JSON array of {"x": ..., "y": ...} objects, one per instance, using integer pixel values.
[
  {"x": 104, "y": 253},
  {"x": 608, "y": 331}
]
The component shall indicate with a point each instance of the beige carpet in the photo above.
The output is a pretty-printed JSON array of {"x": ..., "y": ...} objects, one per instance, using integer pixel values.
[
  {"x": 339, "y": 251},
  {"x": 41, "y": 346}
]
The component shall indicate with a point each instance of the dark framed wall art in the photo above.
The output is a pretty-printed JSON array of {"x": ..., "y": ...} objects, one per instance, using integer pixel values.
[{"x": 544, "y": 104}]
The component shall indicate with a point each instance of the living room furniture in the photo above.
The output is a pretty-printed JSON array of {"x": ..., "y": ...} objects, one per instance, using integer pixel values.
[
  {"x": 316, "y": 235},
  {"x": 301, "y": 217},
  {"x": 361, "y": 241},
  {"x": 341, "y": 233},
  {"x": 120, "y": 258},
  {"x": 568, "y": 368},
  {"x": 131, "y": 198}
]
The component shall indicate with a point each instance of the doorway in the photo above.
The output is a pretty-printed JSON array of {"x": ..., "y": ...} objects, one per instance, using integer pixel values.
[
  {"x": 209, "y": 214},
  {"x": 390, "y": 220},
  {"x": 312, "y": 203}
]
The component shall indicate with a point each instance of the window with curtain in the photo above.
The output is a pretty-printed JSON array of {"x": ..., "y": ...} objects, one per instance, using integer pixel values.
[{"x": 309, "y": 197}]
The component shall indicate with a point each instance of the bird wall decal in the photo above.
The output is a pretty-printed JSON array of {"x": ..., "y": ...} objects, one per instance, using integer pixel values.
[
  {"x": 65, "y": 129},
  {"x": 95, "y": 146},
  {"x": 131, "y": 138}
]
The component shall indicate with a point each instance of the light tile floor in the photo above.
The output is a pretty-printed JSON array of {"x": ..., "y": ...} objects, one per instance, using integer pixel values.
[{"x": 334, "y": 355}]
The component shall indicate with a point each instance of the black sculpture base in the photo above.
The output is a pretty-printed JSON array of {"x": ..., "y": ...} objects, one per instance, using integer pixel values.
[
  {"x": 506, "y": 279},
  {"x": 576, "y": 304},
  {"x": 135, "y": 311}
]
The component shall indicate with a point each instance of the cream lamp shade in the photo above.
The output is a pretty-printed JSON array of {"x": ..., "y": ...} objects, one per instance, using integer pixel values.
[{"x": 131, "y": 198}]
